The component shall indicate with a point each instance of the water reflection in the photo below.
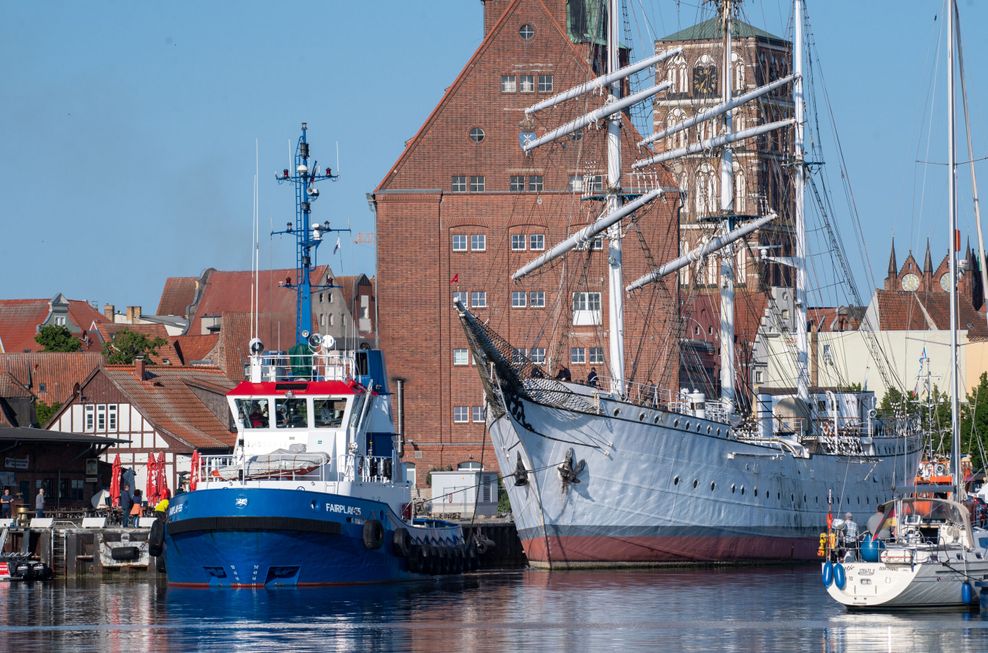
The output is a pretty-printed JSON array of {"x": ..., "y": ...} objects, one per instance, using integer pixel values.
[{"x": 773, "y": 609}]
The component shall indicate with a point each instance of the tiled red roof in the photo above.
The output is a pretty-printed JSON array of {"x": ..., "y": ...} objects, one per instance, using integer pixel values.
[
  {"x": 19, "y": 320},
  {"x": 229, "y": 292},
  {"x": 178, "y": 295},
  {"x": 195, "y": 348},
  {"x": 57, "y": 372},
  {"x": 900, "y": 310},
  {"x": 10, "y": 387},
  {"x": 166, "y": 399},
  {"x": 834, "y": 318}
]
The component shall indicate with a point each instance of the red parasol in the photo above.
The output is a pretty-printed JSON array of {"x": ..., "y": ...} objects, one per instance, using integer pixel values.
[
  {"x": 115, "y": 482},
  {"x": 194, "y": 478},
  {"x": 162, "y": 481},
  {"x": 151, "y": 489}
]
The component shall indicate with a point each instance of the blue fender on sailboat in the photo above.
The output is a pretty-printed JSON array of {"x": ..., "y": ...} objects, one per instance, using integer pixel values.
[
  {"x": 840, "y": 577},
  {"x": 967, "y": 594},
  {"x": 828, "y": 573}
]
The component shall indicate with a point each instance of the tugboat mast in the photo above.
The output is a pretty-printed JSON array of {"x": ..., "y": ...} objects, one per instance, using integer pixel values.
[{"x": 307, "y": 238}]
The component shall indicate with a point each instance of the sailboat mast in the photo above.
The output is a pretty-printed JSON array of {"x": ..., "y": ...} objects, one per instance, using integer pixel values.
[
  {"x": 799, "y": 180},
  {"x": 727, "y": 389},
  {"x": 955, "y": 454},
  {"x": 615, "y": 284}
]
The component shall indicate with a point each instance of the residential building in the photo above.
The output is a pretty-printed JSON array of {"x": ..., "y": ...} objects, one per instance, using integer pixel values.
[
  {"x": 153, "y": 409},
  {"x": 49, "y": 377},
  {"x": 464, "y": 206}
]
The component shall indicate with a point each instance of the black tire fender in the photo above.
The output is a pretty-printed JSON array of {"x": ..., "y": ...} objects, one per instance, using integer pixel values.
[{"x": 373, "y": 534}]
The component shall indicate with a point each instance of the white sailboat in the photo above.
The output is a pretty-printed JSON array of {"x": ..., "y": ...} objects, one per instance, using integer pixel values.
[
  {"x": 924, "y": 552},
  {"x": 617, "y": 476}
]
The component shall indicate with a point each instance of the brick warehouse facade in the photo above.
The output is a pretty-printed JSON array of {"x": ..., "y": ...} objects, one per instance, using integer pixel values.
[{"x": 463, "y": 207}]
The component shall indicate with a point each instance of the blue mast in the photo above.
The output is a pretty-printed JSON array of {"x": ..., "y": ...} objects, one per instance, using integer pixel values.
[{"x": 307, "y": 238}]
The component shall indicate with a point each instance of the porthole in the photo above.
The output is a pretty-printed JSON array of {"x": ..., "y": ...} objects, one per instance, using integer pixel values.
[
  {"x": 617, "y": 411},
  {"x": 477, "y": 135},
  {"x": 695, "y": 483},
  {"x": 655, "y": 419},
  {"x": 733, "y": 488},
  {"x": 698, "y": 426},
  {"x": 709, "y": 429},
  {"x": 675, "y": 423},
  {"x": 756, "y": 491},
  {"x": 687, "y": 426},
  {"x": 675, "y": 480},
  {"x": 713, "y": 486},
  {"x": 641, "y": 417},
  {"x": 526, "y": 32},
  {"x": 742, "y": 490},
  {"x": 718, "y": 431}
]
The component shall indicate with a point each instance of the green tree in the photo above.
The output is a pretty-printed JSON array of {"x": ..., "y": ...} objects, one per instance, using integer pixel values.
[
  {"x": 974, "y": 422},
  {"x": 128, "y": 345},
  {"x": 54, "y": 337},
  {"x": 44, "y": 412}
]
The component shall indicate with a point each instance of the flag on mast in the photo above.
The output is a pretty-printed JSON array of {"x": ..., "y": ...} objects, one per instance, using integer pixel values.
[{"x": 337, "y": 247}]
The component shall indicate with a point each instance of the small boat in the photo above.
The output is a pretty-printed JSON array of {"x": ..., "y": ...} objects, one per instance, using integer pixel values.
[
  {"x": 924, "y": 554},
  {"x": 314, "y": 492}
]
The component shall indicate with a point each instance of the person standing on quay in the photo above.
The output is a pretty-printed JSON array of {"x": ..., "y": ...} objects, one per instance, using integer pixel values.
[
  {"x": 6, "y": 503},
  {"x": 39, "y": 503}
]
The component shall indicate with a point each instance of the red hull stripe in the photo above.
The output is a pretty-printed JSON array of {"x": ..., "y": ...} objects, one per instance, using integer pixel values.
[
  {"x": 589, "y": 549},
  {"x": 297, "y": 388}
]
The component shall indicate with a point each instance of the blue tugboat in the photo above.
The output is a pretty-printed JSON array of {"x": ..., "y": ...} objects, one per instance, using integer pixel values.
[{"x": 314, "y": 492}]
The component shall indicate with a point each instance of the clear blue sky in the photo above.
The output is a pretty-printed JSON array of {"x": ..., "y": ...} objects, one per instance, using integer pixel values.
[{"x": 128, "y": 128}]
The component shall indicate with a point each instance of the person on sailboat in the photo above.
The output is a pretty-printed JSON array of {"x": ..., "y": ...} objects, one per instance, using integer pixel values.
[
  {"x": 592, "y": 377},
  {"x": 563, "y": 374}
]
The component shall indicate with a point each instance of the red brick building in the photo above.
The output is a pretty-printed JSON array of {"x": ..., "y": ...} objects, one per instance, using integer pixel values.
[{"x": 463, "y": 207}]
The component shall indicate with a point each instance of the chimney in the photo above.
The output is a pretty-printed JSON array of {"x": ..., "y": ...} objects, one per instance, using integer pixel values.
[
  {"x": 133, "y": 314},
  {"x": 139, "y": 368},
  {"x": 108, "y": 311}
]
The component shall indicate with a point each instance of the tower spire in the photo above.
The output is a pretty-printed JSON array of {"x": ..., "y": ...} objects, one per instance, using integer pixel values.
[
  {"x": 893, "y": 266},
  {"x": 927, "y": 260}
]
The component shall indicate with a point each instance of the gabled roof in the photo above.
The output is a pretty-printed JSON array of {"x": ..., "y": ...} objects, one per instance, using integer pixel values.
[
  {"x": 712, "y": 29},
  {"x": 10, "y": 388},
  {"x": 167, "y": 400},
  {"x": 178, "y": 295},
  {"x": 901, "y": 310},
  {"x": 58, "y": 373}
]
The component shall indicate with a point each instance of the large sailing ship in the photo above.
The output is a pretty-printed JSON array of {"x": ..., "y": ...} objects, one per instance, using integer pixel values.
[{"x": 631, "y": 474}]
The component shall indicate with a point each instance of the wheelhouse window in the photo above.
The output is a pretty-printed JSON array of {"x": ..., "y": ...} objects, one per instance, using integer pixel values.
[
  {"x": 291, "y": 413},
  {"x": 254, "y": 413},
  {"x": 328, "y": 413}
]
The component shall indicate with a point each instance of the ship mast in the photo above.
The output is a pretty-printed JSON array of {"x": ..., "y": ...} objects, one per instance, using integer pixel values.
[
  {"x": 615, "y": 285},
  {"x": 955, "y": 453},
  {"x": 307, "y": 237},
  {"x": 727, "y": 391},
  {"x": 799, "y": 182}
]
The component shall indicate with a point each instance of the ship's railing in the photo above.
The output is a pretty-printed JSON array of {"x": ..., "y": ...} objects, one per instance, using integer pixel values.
[
  {"x": 375, "y": 469},
  {"x": 326, "y": 366},
  {"x": 227, "y": 468}
]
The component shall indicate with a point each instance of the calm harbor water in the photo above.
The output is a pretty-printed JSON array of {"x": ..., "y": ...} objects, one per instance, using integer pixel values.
[{"x": 774, "y": 609}]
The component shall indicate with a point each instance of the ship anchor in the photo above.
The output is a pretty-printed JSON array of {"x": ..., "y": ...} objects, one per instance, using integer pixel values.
[{"x": 569, "y": 472}]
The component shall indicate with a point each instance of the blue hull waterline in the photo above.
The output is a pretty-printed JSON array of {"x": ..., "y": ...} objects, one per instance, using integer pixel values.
[{"x": 246, "y": 537}]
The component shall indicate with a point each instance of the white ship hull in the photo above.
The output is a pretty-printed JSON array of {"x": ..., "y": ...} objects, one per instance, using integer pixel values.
[{"x": 660, "y": 487}]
